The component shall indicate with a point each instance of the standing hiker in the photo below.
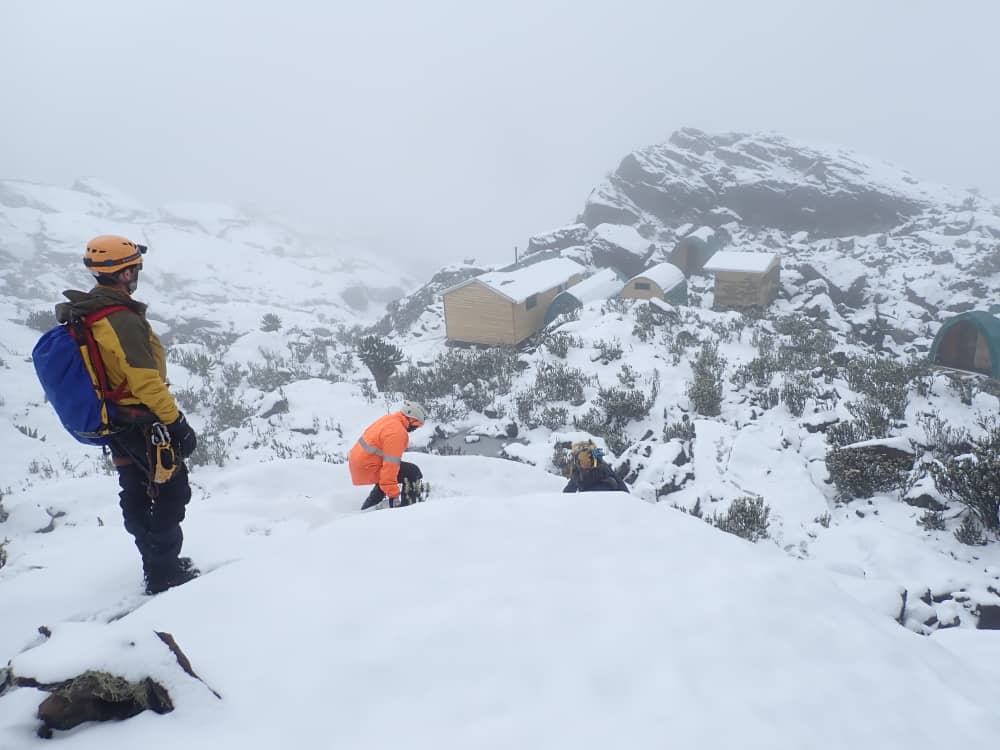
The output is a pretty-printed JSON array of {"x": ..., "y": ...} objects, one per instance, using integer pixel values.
[
  {"x": 149, "y": 448},
  {"x": 378, "y": 457}
]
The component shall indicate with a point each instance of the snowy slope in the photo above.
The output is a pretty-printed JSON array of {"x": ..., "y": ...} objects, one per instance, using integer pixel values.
[
  {"x": 797, "y": 637},
  {"x": 484, "y": 619},
  {"x": 226, "y": 267}
]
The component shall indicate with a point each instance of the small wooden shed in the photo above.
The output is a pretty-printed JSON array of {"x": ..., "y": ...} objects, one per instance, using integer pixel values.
[
  {"x": 744, "y": 280},
  {"x": 971, "y": 342},
  {"x": 505, "y": 307},
  {"x": 663, "y": 281},
  {"x": 602, "y": 285}
]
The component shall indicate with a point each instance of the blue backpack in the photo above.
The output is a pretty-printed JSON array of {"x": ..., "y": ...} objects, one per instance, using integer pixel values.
[{"x": 69, "y": 366}]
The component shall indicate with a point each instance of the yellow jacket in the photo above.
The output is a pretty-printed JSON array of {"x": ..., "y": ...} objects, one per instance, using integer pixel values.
[{"x": 132, "y": 354}]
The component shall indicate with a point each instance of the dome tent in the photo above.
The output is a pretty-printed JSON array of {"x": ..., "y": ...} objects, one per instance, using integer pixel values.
[{"x": 969, "y": 341}]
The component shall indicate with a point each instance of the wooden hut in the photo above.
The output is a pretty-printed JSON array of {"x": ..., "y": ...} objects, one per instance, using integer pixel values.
[
  {"x": 602, "y": 285},
  {"x": 971, "y": 342},
  {"x": 744, "y": 280},
  {"x": 505, "y": 307},
  {"x": 663, "y": 281}
]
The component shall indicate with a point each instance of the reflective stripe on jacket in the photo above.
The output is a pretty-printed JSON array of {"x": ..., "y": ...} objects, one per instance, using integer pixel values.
[{"x": 377, "y": 454}]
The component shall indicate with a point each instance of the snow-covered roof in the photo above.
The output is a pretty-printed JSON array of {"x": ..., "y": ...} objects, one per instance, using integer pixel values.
[
  {"x": 521, "y": 283},
  {"x": 664, "y": 275},
  {"x": 733, "y": 260},
  {"x": 623, "y": 236},
  {"x": 602, "y": 285},
  {"x": 702, "y": 233}
]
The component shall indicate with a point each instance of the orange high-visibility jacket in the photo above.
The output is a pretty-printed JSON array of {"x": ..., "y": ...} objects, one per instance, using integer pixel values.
[{"x": 376, "y": 455}]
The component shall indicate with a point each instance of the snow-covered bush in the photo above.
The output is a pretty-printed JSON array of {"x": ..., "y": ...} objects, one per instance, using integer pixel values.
[
  {"x": 705, "y": 388},
  {"x": 682, "y": 430},
  {"x": 884, "y": 381},
  {"x": 871, "y": 420},
  {"x": 796, "y": 391},
  {"x": 973, "y": 478},
  {"x": 859, "y": 473},
  {"x": 492, "y": 367},
  {"x": 555, "y": 381},
  {"x": 614, "y": 409},
  {"x": 748, "y": 517},
  {"x": 970, "y": 532},
  {"x": 608, "y": 351},
  {"x": 932, "y": 520},
  {"x": 558, "y": 344}
]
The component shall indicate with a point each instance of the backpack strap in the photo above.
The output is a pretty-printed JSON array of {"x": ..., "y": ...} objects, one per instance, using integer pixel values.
[{"x": 80, "y": 328}]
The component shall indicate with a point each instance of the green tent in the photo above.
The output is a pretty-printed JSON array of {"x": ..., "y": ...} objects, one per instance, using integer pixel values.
[{"x": 970, "y": 341}]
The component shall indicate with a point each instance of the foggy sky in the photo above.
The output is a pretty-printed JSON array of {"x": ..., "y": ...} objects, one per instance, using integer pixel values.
[{"x": 457, "y": 129}]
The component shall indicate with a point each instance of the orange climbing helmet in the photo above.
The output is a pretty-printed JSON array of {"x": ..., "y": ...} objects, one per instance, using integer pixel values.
[{"x": 110, "y": 253}]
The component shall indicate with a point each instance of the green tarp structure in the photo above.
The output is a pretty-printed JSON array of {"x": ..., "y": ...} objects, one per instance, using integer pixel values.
[{"x": 969, "y": 341}]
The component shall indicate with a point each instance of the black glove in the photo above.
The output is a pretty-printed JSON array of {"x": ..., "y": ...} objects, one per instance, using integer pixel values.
[{"x": 182, "y": 437}]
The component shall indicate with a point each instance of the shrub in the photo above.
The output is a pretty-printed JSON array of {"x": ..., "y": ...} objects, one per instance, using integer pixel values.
[
  {"x": 608, "y": 351},
  {"x": 705, "y": 388},
  {"x": 270, "y": 376},
  {"x": 932, "y": 520},
  {"x": 558, "y": 344},
  {"x": 494, "y": 368},
  {"x": 884, "y": 381},
  {"x": 871, "y": 420},
  {"x": 682, "y": 430},
  {"x": 197, "y": 362},
  {"x": 748, "y": 518},
  {"x": 555, "y": 381},
  {"x": 553, "y": 417},
  {"x": 381, "y": 357},
  {"x": 796, "y": 391},
  {"x": 270, "y": 323},
  {"x": 973, "y": 478},
  {"x": 970, "y": 532},
  {"x": 41, "y": 320},
  {"x": 863, "y": 473}
]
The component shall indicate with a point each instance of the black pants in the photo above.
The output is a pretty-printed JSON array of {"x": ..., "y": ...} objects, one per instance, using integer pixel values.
[
  {"x": 409, "y": 477},
  {"x": 154, "y": 522}
]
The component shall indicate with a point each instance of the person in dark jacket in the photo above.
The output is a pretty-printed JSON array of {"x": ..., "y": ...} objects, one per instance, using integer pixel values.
[
  {"x": 589, "y": 472},
  {"x": 135, "y": 363}
]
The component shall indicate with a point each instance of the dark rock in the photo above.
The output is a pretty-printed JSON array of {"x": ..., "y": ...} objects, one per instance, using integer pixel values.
[
  {"x": 989, "y": 617},
  {"x": 511, "y": 430},
  {"x": 99, "y": 696},
  {"x": 924, "y": 500},
  {"x": 279, "y": 407},
  {"x": 558, "y": 239}
]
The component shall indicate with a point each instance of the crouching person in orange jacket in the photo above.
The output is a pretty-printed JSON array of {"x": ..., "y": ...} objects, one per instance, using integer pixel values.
[{"x": 377, "y": 457}]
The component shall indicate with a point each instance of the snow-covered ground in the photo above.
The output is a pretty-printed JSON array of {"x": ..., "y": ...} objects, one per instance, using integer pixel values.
[{"x": 500, "y": 613}]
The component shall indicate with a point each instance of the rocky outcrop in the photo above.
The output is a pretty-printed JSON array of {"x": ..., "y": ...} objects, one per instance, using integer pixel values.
[{"x": 766, "y": 180}]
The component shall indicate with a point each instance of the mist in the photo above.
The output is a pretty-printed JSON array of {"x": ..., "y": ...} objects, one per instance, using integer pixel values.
[{"x": 438, "y": 131}]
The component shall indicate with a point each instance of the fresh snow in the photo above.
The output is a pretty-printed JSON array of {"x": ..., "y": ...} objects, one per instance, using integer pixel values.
[
  {"x": 664, "y": 275},
  {"x": 516, "y": 618},
  {"x": 520, "y": 283},
  {"x": 601, "y": 285},
  {"x": 623, "y": 236},
  {"x": 741, "y": 262}
]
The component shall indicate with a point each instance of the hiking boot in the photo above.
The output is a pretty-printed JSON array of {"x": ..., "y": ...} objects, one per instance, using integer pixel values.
[{"x": 182, "y": 572}]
